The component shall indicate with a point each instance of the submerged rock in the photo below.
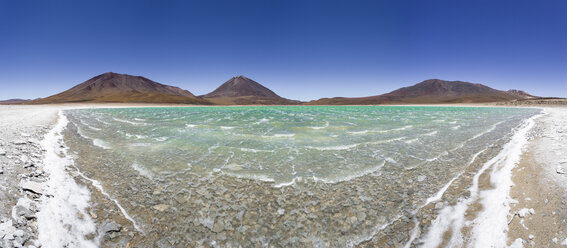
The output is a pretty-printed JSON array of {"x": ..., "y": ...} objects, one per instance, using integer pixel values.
[
  {"x": 161, "y": 207},
  {"x": 110, "y": 230}
]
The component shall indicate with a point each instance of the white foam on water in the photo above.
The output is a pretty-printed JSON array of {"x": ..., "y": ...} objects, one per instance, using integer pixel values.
[
  {"x": 284, "y": 135},
  {"x": 286, "y": 184},
  {"x": 491, "y": 224},
  {"x": 335, "y": 148},
  {"x": 226, "y": 128},
  {"x": 359, "y": 132},
  {"x": 381, "y": 131},
  {"x": 254, "y": 150},
  {"x": 137, "y": 136},
  {"x": 140, "y": 144},
  {"x": 103, "y": 122},
  {"x": 490, "y": 129},
  {"x": 97, "y": 142},
  {"x": 142, "y": 171},
  {"x": 161, "y": 139},
  {"x": 58, "y": 221},
  {"x": 321, "y": 127},
  {"x": 93, "y": 128},
  {"x": 355, "y": 174},
  {"x": 430, "y": 133},
  {"x": 400, "y": 129},
  {"x": 129, "y": 122},
  {"x": 258, "y": 177},
  {"x": 263, "y": 120},
  {"x": 101, "y": 143},
  {"x": 190, "y": 125}
]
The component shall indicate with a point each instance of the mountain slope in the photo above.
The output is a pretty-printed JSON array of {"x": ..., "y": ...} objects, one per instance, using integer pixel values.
[
  {"x": 429, "y": 91},
  {"x": 114, "y": 87},
  {"x": 244, "y": 91}
]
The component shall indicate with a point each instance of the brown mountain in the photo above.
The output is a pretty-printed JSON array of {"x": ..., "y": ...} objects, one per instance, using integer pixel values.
[
  {"x": 433, "y": 91},
  {"x": 114, "y": 87},
  {"x": 244, "y": 91}
]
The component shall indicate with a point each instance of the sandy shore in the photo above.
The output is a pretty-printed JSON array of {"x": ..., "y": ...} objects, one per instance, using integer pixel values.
[{"x": 538, "y": 219}]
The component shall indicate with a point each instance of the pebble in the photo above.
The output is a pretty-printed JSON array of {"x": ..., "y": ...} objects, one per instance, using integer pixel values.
[
  {"x": 161, "y": 207},
  {"x": 33, "y": 187},
  {"x": 531, "y": 236},
  {"x": 2, "y": 152}
]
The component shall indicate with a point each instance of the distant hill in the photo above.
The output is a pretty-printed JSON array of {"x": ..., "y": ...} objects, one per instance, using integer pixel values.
[
  {"x": 244, "y": 91},
  {"x": 521, "y": 94},
  {"x": 433, "y": 91},
  {"x": 114, "y": 87},
  {"x": 14, "y": 101}
]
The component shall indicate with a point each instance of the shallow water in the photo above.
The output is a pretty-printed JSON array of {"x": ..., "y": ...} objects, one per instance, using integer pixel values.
[{"x": 286, "y": 176}]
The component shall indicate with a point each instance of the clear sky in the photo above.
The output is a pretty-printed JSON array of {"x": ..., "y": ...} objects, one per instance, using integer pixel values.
[{"x": 300, "y": 49}]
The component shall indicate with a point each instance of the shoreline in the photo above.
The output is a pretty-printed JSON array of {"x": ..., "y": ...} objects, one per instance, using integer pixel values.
[{"x": 39, "y": 133}]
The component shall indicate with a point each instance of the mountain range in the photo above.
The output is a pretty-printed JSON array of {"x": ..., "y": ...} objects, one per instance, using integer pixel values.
[
  {"x": 433, "y": 91},
  {"x": 240, "y": 90}
]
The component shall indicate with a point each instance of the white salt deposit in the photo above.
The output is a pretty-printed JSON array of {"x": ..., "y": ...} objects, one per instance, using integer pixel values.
[
  {"x": 490, "y": 227},
  {"x": 59, "y": 224}
]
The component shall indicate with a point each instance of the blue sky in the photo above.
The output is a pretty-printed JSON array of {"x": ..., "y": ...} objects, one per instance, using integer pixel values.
[{"x": 300, "y": 49}]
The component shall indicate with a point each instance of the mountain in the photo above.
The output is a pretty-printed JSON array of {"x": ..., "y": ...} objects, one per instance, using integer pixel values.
[
  {"x": 114, "y": 87},
  {"x": 244, "y": 91},
  {"x": 432, "y": 91},
  {"x": 14, "y": 101}
]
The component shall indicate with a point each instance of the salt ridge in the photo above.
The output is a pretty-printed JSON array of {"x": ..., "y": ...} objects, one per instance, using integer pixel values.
[
  {"x": 58, "y": 221},
  {"x": 490, "y": 226}
]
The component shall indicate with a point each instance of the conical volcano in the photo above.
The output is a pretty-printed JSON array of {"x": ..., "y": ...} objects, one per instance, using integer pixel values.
[{"x": 245, "y": 91}]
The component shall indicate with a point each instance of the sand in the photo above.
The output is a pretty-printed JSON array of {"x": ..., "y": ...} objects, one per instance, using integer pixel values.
[{"x": 538, "y": 219}]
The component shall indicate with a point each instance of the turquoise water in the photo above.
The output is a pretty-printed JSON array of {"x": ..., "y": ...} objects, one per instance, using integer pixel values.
[
  {"x": 290, "y": 176},
  {"x": 280, "y": 144}
]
